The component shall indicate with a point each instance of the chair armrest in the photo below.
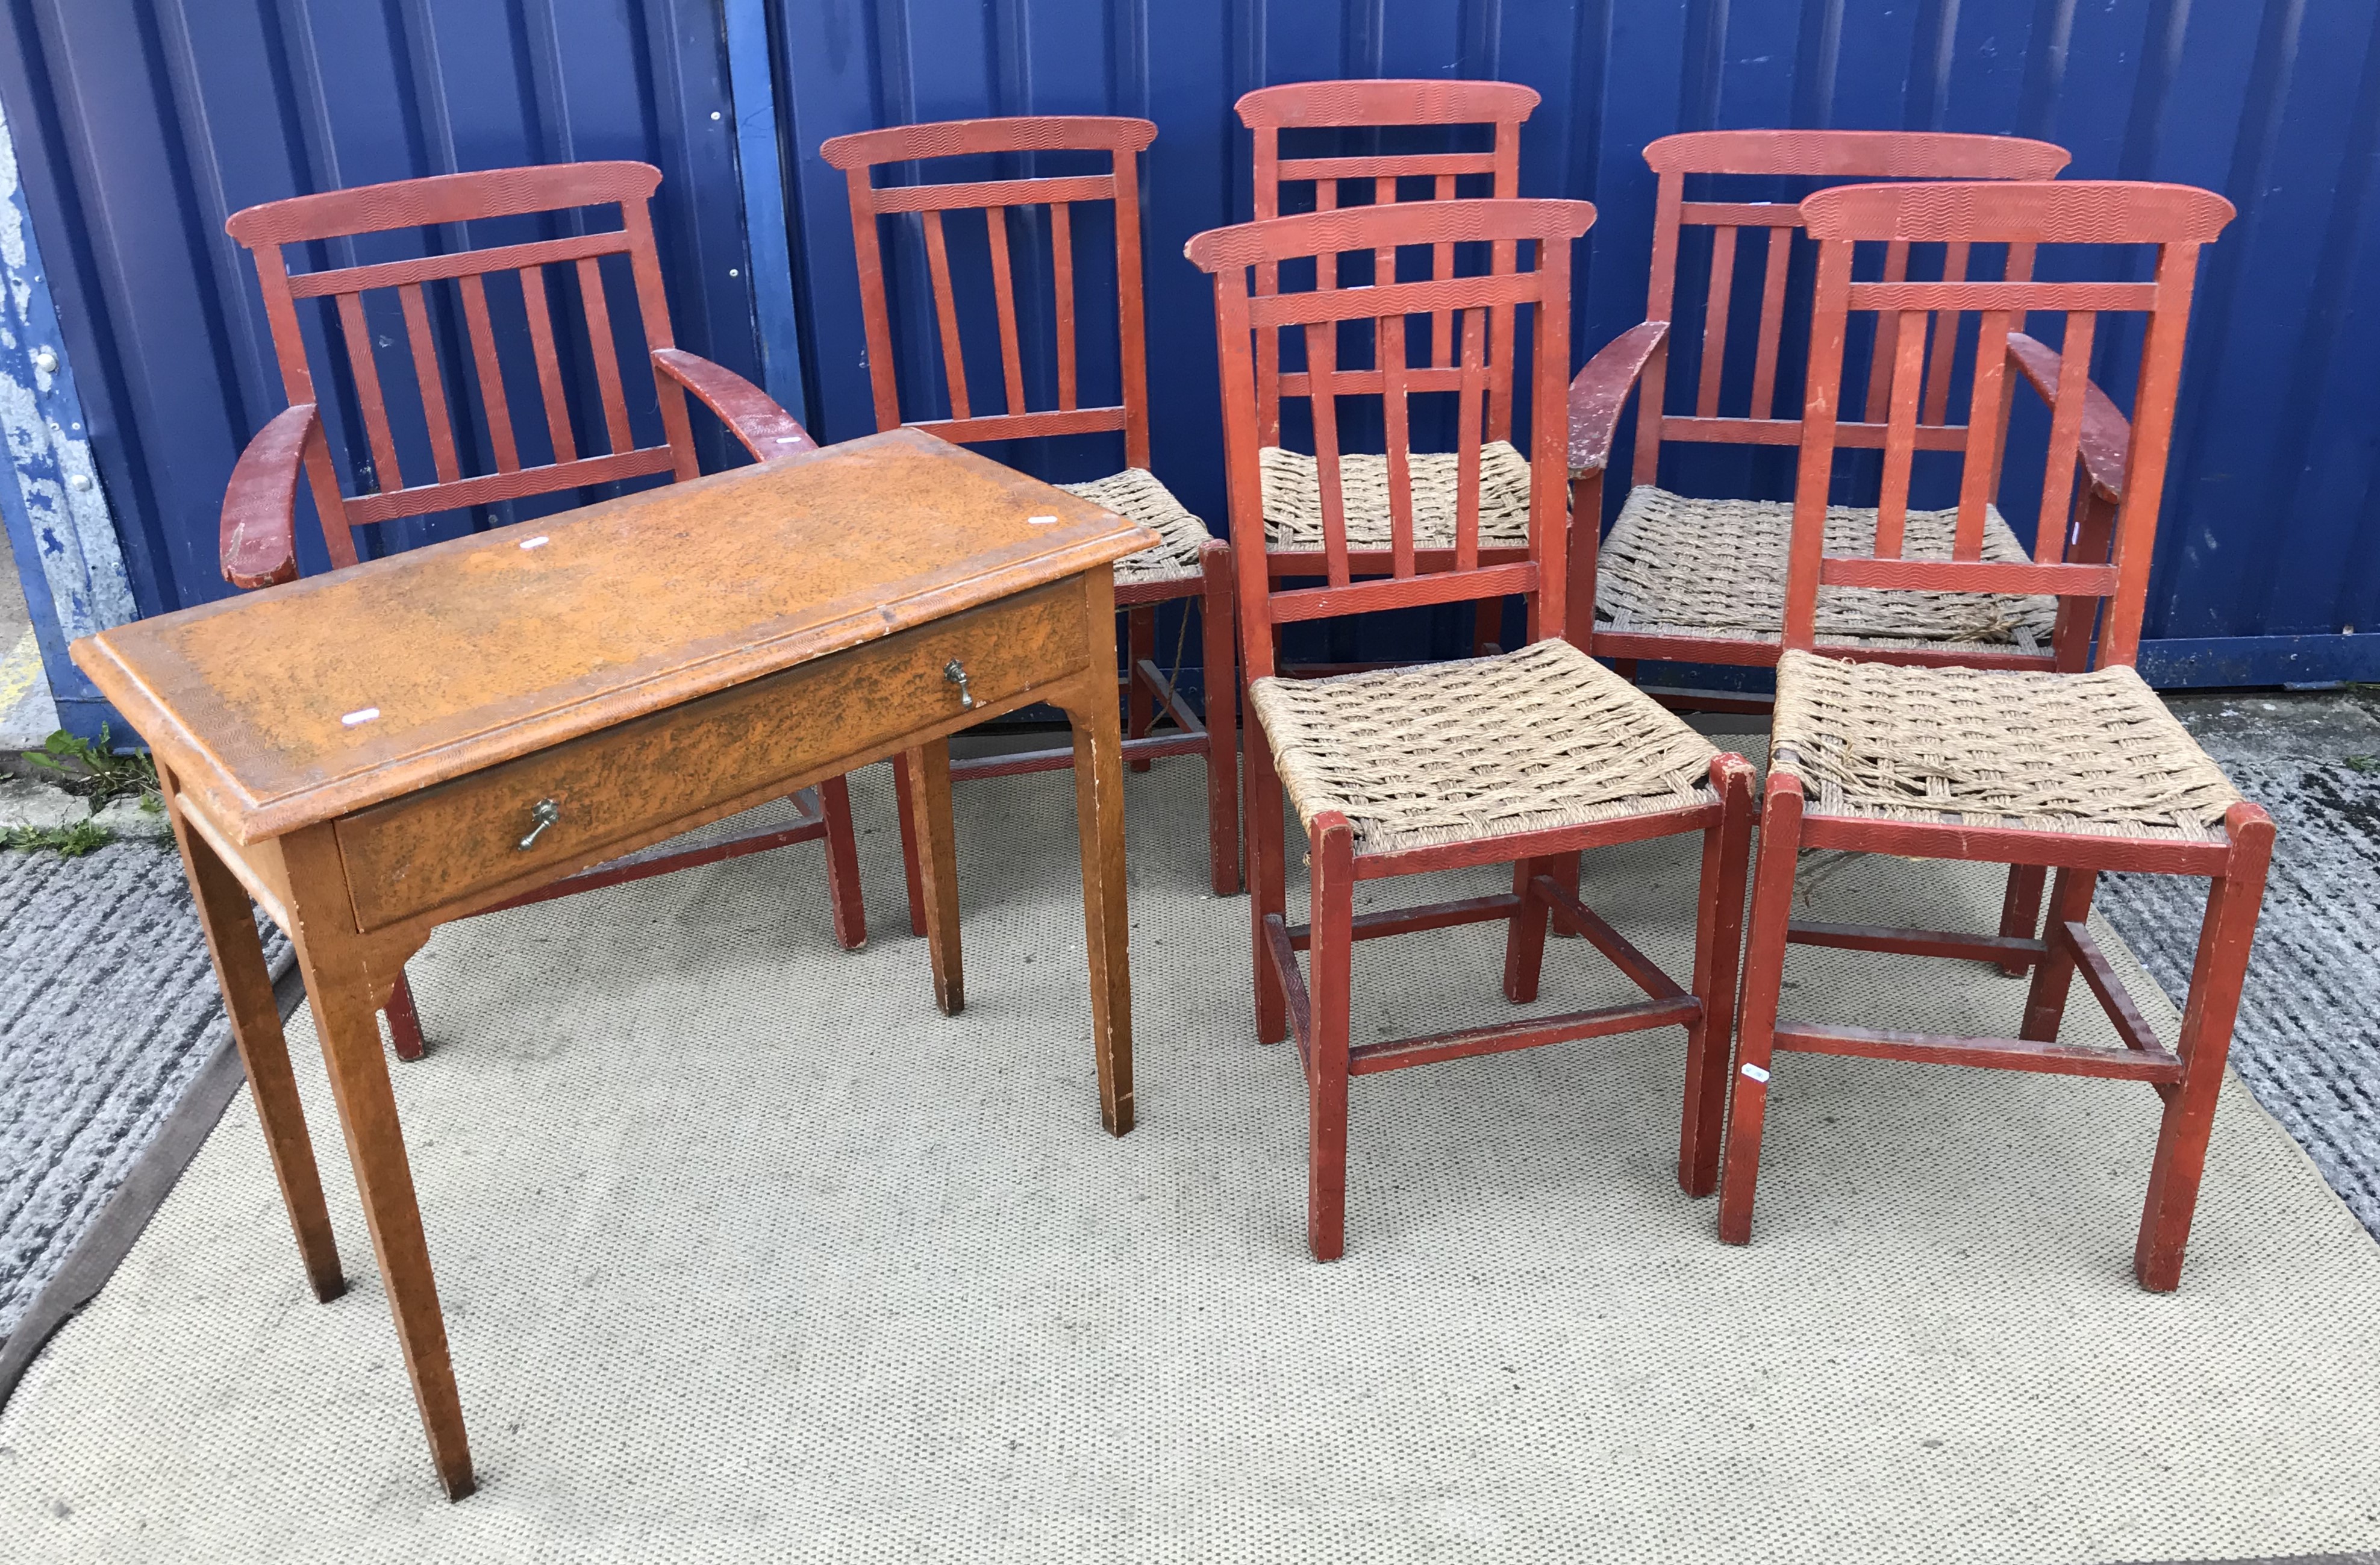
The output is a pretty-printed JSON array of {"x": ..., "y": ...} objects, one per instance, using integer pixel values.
[
  {"x": 750, "y": 414},
  {"x": 1601, "y": 390},
  {"x": 259, "y": 543},
  {"x": 2106, "y": 435}
]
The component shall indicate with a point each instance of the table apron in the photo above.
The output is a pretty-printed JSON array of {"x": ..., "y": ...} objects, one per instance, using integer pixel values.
[{"x": 461, "y": 841}]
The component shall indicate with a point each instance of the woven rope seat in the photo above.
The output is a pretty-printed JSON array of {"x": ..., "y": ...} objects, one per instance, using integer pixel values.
[
  {"x": 1678, "y": 566},
  {"x": 2086, "y": 754},
  {"x": 1293, "y": 499},
  {"x": 1136, "y": 496},
  {"x": 1479, "y": 749}
]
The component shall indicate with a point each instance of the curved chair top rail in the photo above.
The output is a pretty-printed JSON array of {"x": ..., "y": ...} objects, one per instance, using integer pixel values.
[
  {"x": 1858, "y": 154},
  {"x": 442, "y": 198},
  {"x": 2084, "y": 211},
  {"x": 1385, "y": 101},
  {"x": 959, "y": 138},
  {"x": 1347, "y": 229}
]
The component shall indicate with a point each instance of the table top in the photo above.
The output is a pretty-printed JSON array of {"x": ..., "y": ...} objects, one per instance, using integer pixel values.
[{"x": 304, "y": 702}]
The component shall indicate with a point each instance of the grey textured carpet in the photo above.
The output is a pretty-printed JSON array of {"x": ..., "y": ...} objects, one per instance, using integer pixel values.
[
  {"x": 108, "y": 1007},
  {"x": 747, "y": 1253},
  {"x": 2308, "y": 1041}
]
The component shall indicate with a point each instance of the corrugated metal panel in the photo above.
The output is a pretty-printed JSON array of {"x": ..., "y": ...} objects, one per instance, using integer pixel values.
[
  {"x": 141, "y": 125},
  {"x": 2272, "y": 523}
]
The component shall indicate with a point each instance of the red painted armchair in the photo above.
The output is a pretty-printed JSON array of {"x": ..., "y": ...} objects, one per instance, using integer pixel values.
[{"x": 258, "y": 539}]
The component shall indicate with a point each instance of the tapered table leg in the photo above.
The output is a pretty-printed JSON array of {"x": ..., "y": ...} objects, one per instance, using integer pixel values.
[
  {"x": 337, "y": 968},
  {"x": 1099, "y": 816},
  {"x": 256, "y": 1028},
  {"x": 928, "y": 775}
]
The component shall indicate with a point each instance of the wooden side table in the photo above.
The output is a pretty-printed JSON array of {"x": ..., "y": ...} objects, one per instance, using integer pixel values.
[{"x": 372, "y": 753}]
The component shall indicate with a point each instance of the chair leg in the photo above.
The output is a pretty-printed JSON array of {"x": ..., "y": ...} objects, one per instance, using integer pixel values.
[
  {"x": 2224, "y": 939},
  {"x": 405, "y": 1021},
  {"x": 1268, "y": 879},
  {"x": 2053, "y": 975},
  {"x": 2021, "y": 909},
  {"x": 1719, "y": 939},
  {"x": 1486, "y": 627},
  {"x": 842, "y": 885},
  {"x": 912, "y": 871},
  {"x": 1330, "y": 964},
  {"x": 1221, "y": 672},
  {"x": 1140, "y": 622},
  {"x": 1524, "y": 932},
  {"x": 1764, "y": 973}
]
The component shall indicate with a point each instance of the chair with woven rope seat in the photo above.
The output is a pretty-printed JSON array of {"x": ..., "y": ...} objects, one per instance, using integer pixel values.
[
  {"x": 1427, "y": 116},
  {"x": 2080, "y": 769},
  {"x": 258, "y": 539},
  {"x": 1190, "y": 564},
  {"x": 1701, "y": 580},
  {"x": 1524, "y": 757}
]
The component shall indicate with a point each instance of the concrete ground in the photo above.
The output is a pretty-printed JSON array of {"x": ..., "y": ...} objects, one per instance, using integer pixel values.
[{"x": 27, "y": 714}]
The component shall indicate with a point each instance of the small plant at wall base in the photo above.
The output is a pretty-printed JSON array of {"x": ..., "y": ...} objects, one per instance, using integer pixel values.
[
  {"x": 96, "y": 772},
  {"x": 67, "y": 842}
]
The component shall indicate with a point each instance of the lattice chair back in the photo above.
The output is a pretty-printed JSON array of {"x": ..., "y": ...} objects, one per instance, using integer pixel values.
[
  {"x": 1801, "y": 157},
  {"x": 503, "y": 446},
  {"x": 2172, "y": 219},
  {"x": 1484, "y": 308},
  {"x": 1377, "y": 178},
  {"x": 1004, "y": 202}
]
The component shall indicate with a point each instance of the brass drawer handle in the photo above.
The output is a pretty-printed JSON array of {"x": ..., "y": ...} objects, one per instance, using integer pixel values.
[
  {"x": 545, "y": 812},
  {"x": 956, "y": 673}
]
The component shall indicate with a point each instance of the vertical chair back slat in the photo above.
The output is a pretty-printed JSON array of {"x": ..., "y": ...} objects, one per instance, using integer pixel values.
[
  {"x": 549, "y": 366},
  {"x": 1901, "y": 429},
  {"x": 2176, "y": 220},
  {"x": 1246, "y": 317},
  {"x": 1801, "y": 157},
  {"x": 1322, "y": 364},
  {"x": 1946, "y": 340},
  {"x": 932, "y": 202},
  {"x": 428, "y": 287},
  {"x": 607, "y": 363},
  {"x": 2065, "y": 437},
  {"x": 491, "y": 373},
  {"x": 432, "y": 383},
  {"x": 1772, "y": 323},
  {"x": 1270, "y": 112}
]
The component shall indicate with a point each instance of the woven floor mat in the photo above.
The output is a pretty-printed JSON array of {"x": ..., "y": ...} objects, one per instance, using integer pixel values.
[
  {"x": 748, "y": 1254},
  {"x": 1673, "y": 565}
]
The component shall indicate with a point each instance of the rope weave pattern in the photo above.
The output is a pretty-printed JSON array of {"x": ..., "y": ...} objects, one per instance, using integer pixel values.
[
  {"x": 2085, "y": 754},
  {"x": 1678, "y": 566},
  {"x": 1482, "y": 747},
  {"x": 1136, "y": 496},
  {"x": 1293, "y": 498}
]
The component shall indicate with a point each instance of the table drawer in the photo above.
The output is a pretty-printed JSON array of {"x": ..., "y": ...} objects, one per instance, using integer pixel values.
[{"x": 462, "y": 838}]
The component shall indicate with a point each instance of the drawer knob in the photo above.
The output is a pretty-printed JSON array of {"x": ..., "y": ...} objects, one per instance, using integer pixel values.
[
  {"x": 545, "y": 812},
  {"x": 956, "y": 673}
]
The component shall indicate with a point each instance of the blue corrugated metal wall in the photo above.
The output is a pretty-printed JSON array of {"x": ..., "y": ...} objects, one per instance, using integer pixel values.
[{"x": 141, "y": 125}]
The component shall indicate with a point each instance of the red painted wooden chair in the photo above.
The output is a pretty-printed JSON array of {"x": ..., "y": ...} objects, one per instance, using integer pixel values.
[
  {"x": 259, "y": 540},
  {"x": 1524, "y": 757},
  {"x": 1293, "y": 484},
  {"x": 1694, "y": 580},
  {"x": 2080, "y": 769},
  {"x": 1189, "y": 563}
]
